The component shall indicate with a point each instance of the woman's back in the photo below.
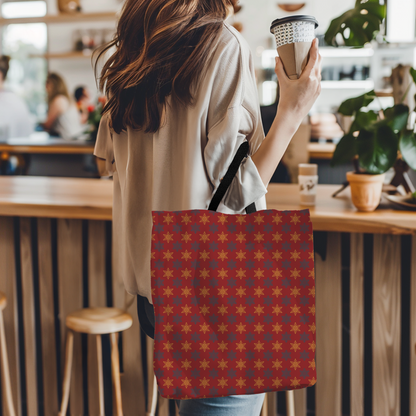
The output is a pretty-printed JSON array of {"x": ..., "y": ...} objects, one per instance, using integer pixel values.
[
  {"x": 180, "y": 165},
  {"x": 67, "y": 124}
]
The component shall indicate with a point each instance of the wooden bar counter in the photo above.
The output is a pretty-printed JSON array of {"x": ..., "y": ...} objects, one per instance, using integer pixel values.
[{"x": 56, "y": 257}]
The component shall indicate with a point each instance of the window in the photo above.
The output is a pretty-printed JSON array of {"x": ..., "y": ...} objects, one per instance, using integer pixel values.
[{"x": 26, "y": 43}]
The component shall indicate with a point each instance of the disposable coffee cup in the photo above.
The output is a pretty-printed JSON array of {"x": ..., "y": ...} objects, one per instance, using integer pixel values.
[
  {"x": 294, "y": 36},
  {"x": 308, "y": 183}
]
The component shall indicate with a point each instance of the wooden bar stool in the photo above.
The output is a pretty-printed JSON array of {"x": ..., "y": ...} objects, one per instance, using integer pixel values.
[
  {"x": 96, "y": 321},
  {"x": 4, "y": 360}
]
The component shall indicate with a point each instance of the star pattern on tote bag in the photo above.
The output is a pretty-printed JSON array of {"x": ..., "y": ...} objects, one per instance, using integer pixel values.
[{"x": 234, "y": 299}]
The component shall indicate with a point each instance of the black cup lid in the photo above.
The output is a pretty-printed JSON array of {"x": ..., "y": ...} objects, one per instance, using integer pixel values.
[{"x": 295, "y": 18}]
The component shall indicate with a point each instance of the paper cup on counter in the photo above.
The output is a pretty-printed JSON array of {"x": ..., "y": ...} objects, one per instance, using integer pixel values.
[
  {"x": 308, "y": 183},
  {"x": 294, "y": 36}
]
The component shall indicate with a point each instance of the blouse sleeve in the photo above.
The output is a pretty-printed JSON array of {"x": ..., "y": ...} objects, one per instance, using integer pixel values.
[
  {"x": 104, "y": 146},
  {"x": 234, "y": 117}
]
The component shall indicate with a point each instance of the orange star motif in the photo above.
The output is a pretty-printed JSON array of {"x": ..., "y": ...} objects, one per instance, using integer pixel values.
[
  {"x": 241, "y": 219},
  {"x": 312, "y": 381},
  {"x": 241, "y": 310},
  {"x": 168, "y": 237},
  {"x": 168, "y": 328},
  {"x": 311, "y": 255},
  {"x": 223, "y": 237},
  {"x": 241, "y": 382},
  {"x": 222, "y": 219},
  {"x": 168, "y": 364},
  {"x": 168, "y": 310},
  {"x": 277, "y": 255},
  {"x": 222, "y": 346},
  {"x": 223, "y": 291},
  {"x": 258, "y": 238},
  {"x": 277, "y": 219},
  {"x": 204, "y": 273},
  {"x": 277, "y": 273},
  {"x": 295, "y": 219},
  {"x": 240, "y": 237},
  {"x": 186, "y": 364},
  {"x": 168, "y": 346},
  {"x": 259, "y": 291},
  {"x": 204, "y": 382},
  {"x": 186, "y": 291},
  {"x": 186, "y": 255},
  {"x": 223, "y": 310},
  {"x": 223, "y": 273},
  {"x": 168, "y": 219},
  {"x": 312, "y": 364},
  {"x": 186, "y": 273},
  {"x": 241, "y": 255},
  {"x": 277, "y": 328},
  {"x": 259, "y": 346},
  {"x": 312, "y": 328},
  {"x": 241, "y": 364},
  {"x": 204, "y": 309},
  {"x": 186, "y": 219},
  {"x": 204, "y": 291},
  {"x": 167, "y": 273},
  {"x": 295, "y": 273},
  {"x": 167, "y": 255},
  {"x": 186, "y": 328},
  {"x": 204, "y": 237},
  {"x": 241, "y": 328},
  {"x": 241, "y": 274},
  {"x": 277, "y": 291},
  {"x": 259, "y": 382},
  {"x": 312, "y": 346},
  {"x": 312, "y": 309},
  {"x": 186, "y": 237},
  {"x": 295, "y": 328},
  {"x": 258, "y": 219},
  {"x": 295, "y": 382},
  {"x": 223, "y": 364},
  {"x": 168, "y": 291},
  {"x": 259, "y": 364},
  {"x": 295, "y": 346},
  {"x": 312, "y": 274},
  {"x": 277, "y": 346},
  {"x": 241, "y": 346},
  {"x": 259, "y": 309},
  {"x": 258, "y": 328},
  {"x": 259, "y": 255},
  {"x": 204, "y": 346},
  {"x": 204, "y": 219},
  {"x": 295, "y": 237},
  {"x": 277, "y": 237},
  {"x": 186, "y": 310},
  {"x": 222, "y": 328},
  {"x": 277, "y": 309},
  {"x": 168, "y": 382},
  {"x": 186, "y": 382},
  {"x": 223, "y": 255},
  {"x": 223, "y": 382},
  {"x": 295, "y": 255},
  {"x": 295, "y": 364},
  {"x": 295, "y": 292},
  {"x": 295, "y": 309},
  {"x": 204, "y": 364},
  {"x": 312, "y": 292},
  {"x": 204, "y": 255},
  {"x": 241, "y": 291},
  {"x": 277, "y": 364},
  {"x": 153, "y": 255},
  {"x": 205, "y": 328},
  {"x": 259, "y": 274},
  {"x": 186, "y": 346},
  {"x": 277, "y": 383}
]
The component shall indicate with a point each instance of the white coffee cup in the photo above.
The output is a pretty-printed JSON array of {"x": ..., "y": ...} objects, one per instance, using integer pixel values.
[{"x": 308, "y": 183}]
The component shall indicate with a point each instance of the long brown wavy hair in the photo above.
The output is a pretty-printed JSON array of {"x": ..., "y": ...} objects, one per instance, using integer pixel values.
[
  {"x": 58, "y": 87},
  {"x": 162, "y": 49}
]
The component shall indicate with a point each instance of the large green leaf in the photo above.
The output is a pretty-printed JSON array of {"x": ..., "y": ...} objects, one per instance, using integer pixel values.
[
  {"x": 345, "y": 150},
  {"x": 408, "y": 148},
  {"x": 396, "y": 117},
  {"x": 413, "y": 74},
  {"x": 362, "y": 22},
  {"x": 363, "y": 120},
  {"x": 351, "y": 106},
  {"x": 377, "y": 149}
]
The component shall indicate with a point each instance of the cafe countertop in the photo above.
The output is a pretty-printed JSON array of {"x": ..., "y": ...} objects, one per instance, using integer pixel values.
[{"x": 91, "y": 199}]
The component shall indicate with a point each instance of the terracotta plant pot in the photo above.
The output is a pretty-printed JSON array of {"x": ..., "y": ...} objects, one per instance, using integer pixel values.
[{"x": 365, "y": 190}]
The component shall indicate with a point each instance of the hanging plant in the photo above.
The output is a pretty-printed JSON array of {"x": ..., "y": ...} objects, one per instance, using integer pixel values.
[{"x": 357, "y": 26}]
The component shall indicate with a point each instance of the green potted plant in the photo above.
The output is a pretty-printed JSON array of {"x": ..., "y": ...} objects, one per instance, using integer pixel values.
[{"x": 374, "y": 142}]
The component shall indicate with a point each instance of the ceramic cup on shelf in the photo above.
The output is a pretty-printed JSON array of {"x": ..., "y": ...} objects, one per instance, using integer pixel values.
[{"x": 308, "y": 183}]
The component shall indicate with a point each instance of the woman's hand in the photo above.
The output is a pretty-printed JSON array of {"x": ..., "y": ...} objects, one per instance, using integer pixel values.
[{"x": 298, "y": 96}]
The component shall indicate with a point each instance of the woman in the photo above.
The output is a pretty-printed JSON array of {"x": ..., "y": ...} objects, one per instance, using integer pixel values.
[
  {"x": 83, "y": 101},
  {"x": 63, "y": 118},
  {"x": 15, "y": 118},
  {"x": 182, "y": 98}
]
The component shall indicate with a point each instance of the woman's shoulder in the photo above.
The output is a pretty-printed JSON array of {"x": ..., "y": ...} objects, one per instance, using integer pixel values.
[
  {"x": 60, "y": 101},
  {"x": 233, "y": 39}
]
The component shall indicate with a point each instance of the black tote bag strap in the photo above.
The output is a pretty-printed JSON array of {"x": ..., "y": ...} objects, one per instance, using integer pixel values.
[{"x": 242, "y": 153}]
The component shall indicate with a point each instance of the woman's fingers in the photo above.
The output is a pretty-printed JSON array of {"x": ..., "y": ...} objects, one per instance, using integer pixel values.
[{"x": 313, "y": 59}]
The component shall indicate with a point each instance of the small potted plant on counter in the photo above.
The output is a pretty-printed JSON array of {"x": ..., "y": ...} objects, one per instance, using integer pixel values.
[{"x": 374, "y": 142}]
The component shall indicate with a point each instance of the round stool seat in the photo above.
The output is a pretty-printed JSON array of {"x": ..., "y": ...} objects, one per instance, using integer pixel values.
[
  {"x": 3, "y": 301},
  {"x": 99, "y": 321}
]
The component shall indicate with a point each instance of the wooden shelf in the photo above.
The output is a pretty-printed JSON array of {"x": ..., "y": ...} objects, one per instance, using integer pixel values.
[
  {"x": 63, "y": 55},
  {"x": 61, "y": 18}
]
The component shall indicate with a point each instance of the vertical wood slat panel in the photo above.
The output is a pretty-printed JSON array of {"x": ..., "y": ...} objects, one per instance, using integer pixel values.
[
  {"x": 97, "y": 298},
  {"x": 329, "y": 329},
  {"x": 413, "y": 331},
  {"x": 28, "y": 300},
  {"x": 357, "y": 325},
  {"x": 272, "y": 404},
  {"x": 300, "y": 402},
  {"x": 150, "y": 372},
  {"x": 8, "y": 287},
  {"x": 71, "y": 299},
  {"x": 386, "y": 325},
  {"x": 47, "y": 318},
  {"x": 163, "y": 406}
]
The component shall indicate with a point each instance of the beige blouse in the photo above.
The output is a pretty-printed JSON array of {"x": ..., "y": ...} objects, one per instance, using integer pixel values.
[{"x": 180, "y": 166}]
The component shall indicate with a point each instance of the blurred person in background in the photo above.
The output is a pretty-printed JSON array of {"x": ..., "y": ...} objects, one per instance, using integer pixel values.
[
  {"x": 63, "y": 118},
  {"x": 84, "y": 104},
  {"x": 15, "y": 118}
]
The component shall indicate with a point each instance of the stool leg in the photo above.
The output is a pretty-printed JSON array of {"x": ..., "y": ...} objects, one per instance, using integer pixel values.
[
  {"x": 100, "y": 374},
  {"x": 67, "y": 374},
  {"x": 290, "y": 403},
  {"x": 5, "y": 367},
  {"x": 153, "y": 400},
  {"x": 115, "y": 365}
]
